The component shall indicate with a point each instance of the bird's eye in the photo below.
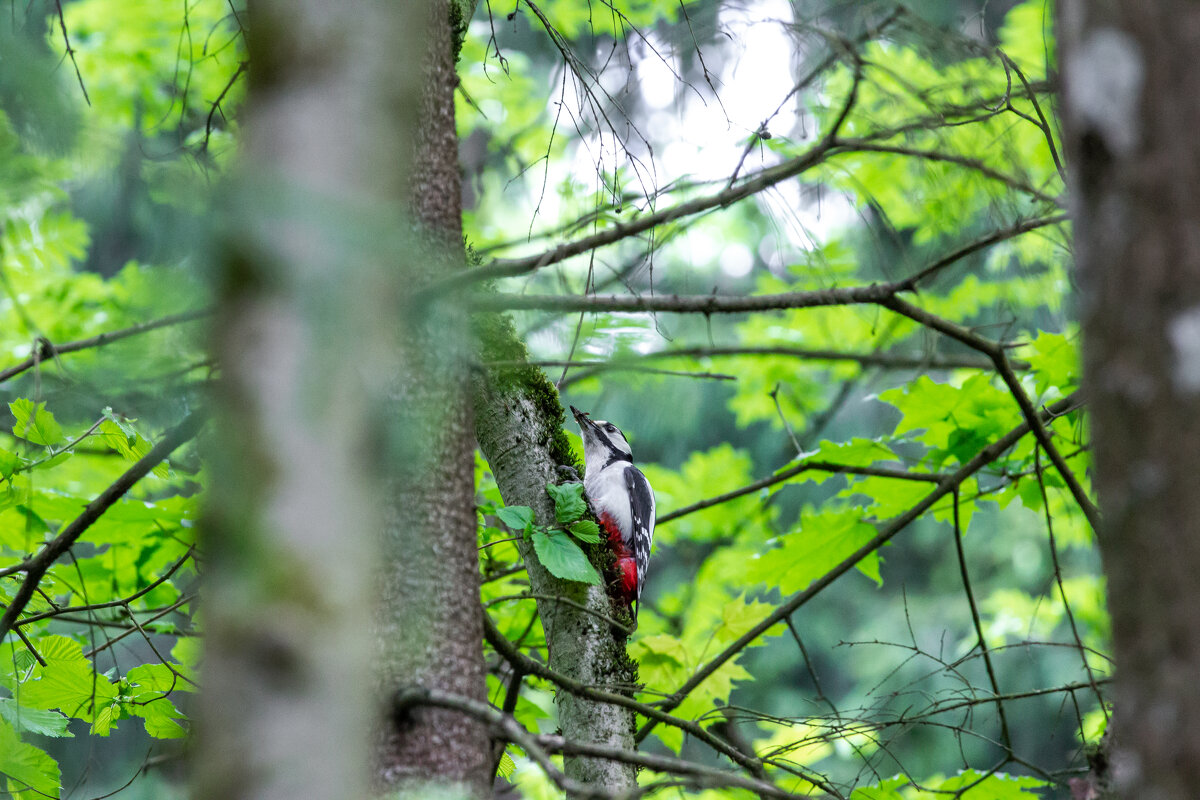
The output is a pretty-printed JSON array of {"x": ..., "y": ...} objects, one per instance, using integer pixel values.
[{"x": 610, "y": 427}]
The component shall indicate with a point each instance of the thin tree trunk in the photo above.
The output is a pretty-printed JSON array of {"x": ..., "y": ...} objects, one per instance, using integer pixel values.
[
  {"x": 519, "y": 423},
  {"x": 1132, "y": 106},
  {"x": 428, "y": 622}
]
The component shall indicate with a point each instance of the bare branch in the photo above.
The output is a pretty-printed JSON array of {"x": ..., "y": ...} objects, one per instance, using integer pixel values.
[
  {"x": 686, "y": 304},
  {"x": 1005, "y": 736},
  {"x": 1023, "y": 226},
  {"x": 62, "y": 24},
  {"x": 884, "y": 360},
  {"x": 124, "y": 601},
  {"x": 791, "y": 472},
  {"x": 870, "y": 146},
  {"x": 539, "y": 747},
  {"x": 47, "y": 349},
  {"x": 764, "y": 179}
]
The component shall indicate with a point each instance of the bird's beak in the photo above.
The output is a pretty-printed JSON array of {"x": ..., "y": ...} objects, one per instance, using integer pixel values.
[{"x": 582, "y": 418}]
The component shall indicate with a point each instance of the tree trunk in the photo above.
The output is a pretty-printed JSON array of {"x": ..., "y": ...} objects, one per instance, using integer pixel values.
[
  {"x": 339, "y": 421},
  {"x": 1132, "y": 103},
  {"x": 429, "y": 624},
  {"x": 293, "y": 515},
  {"x": 519, "y": 423}
]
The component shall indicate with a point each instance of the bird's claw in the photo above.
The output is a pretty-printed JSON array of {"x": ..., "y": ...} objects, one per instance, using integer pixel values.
[{"x": 568, "y": 474}]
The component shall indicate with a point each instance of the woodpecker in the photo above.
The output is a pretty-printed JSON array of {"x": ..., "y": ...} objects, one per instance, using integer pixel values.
[{"x": 622, "y": 500}]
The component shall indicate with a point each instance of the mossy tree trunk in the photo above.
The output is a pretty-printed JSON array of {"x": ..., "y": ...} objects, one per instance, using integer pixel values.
[
  {"x": 519, "y": 424},
  {"x": 1132, "y": 109}
]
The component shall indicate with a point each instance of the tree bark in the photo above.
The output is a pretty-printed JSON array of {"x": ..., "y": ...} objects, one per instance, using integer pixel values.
[
  {"x": 428, "y": 625},
  {"x": 1131, "y": 90},
  {"x": 519, "y": 424}
]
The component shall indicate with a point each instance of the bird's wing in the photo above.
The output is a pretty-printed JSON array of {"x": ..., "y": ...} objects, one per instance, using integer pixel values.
[{"x": 642, "y": 504}]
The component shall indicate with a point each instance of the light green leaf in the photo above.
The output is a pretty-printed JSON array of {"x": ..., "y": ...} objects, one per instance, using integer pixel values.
[
  {"x": 586, "y": 531},
  {"x": 120, "y": 435},
  {"x": 518, "y": 518},
  {"x": 187, "y": 652},
  {"x": 67, "y": 682},
  {"x": 561, "y": 555},
  {"x": 161, "y": 718},
  {"x": 569, "y": 504},
  {"x": 34, "y": 720},
  {"x": 9, "y": 463},
  {"x": 35, "y": 423},
  {"x": 26, "y": 767},
  {"x": 506, "y": 766},
  {"x": 993, "y": 787},
  {"x": 151, "y": 679},
  {"x": 819, "y": 543},
  {"x": 123, "y": 423},
  {"x": 886, "y": 790}
]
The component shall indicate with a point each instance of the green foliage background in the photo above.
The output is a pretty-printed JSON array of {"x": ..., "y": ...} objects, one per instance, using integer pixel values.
[{"x": 881, "y": 683}]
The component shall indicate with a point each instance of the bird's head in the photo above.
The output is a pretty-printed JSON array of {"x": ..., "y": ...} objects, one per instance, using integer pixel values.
[{"x": 603, "y": 442}]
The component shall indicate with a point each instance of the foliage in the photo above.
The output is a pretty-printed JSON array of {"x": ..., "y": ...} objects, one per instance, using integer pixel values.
[
  {"x": 862, "y": 432},
  {"x": 946, "y": 149}
]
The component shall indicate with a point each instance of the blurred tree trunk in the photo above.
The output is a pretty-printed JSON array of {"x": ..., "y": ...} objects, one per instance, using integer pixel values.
[
  {"x": 338, "y": 420},
  {"x": 1132, "y": 110}
]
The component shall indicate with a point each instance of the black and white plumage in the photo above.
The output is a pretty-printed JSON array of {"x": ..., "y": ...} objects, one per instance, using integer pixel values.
[{"x": 622, "y": 500}]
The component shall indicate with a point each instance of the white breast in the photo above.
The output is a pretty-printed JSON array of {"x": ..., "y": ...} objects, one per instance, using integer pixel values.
[{"x": 607, "y": 491}]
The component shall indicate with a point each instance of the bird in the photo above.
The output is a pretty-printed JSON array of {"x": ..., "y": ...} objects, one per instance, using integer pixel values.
[{"x": 622, "y": 500}]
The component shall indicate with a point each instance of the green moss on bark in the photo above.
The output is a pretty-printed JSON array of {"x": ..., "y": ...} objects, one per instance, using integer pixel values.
[{"x": 498, "y": 343}]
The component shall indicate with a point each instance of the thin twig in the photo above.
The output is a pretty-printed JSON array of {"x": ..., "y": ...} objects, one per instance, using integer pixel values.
[
  {"x": 46, "y": 349},
  {"x": 1062, "y": 590},
  {"x": 62, "y": 24},
  {"x": 983, "y": 647},
  {"x": 124, "y": 601},
  {"x": 791, "y": 472}
]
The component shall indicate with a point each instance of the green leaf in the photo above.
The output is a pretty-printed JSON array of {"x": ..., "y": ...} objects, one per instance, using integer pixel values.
[
  {"x": 120, "y": 435},
  {"x": 886, "y": 790},
  {"x": 160, "y": 716},
  {"x": 151, "y": 679},
  {"x": 992, "y": 787},
  {"x": 818, "y": 545},
  {"x": 569, "y": 504},
  {"x": 506, "y": 766},
  {"x": 68, "y": 682},
  {"x": 1055, "y": 361},
  {"x": 586, "y": 531},
  {"x": 26, "y": 767},
  {"x": 559, "y": 554},
  {"x": 33, "y": 720},
  {"x": 9, "y": 463},
  {"x": 518, "y": 518},
  {"x": 123, "y": 423},
  {"x": 187, "y": 651},
  {"x": 35, "y": 423}
]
